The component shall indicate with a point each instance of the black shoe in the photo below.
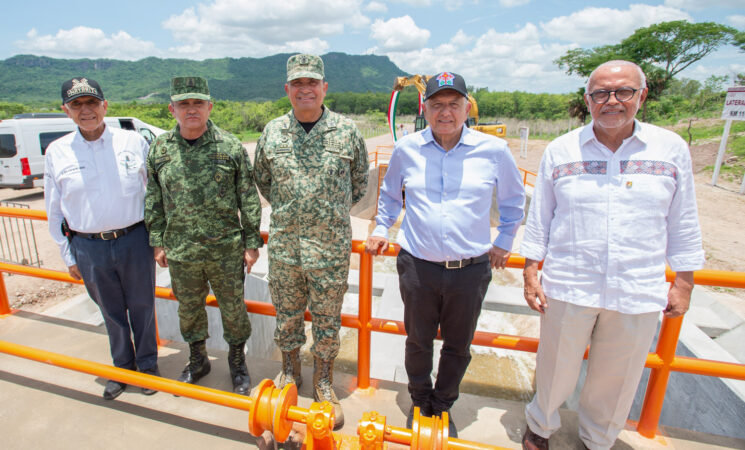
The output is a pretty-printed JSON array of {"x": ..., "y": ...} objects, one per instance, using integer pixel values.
[
  {"x": 151, "y": 371},
  {"x": 113, "y": 389},
  {"x": 532, "y": 441},
  {"x": 238, "y": 371},
  {"x": 199, "y": 364}
]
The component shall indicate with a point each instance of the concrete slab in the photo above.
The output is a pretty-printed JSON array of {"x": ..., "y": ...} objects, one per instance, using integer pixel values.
[{"x": 46, "y": 407}]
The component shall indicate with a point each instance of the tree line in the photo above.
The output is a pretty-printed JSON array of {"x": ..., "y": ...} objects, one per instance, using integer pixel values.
[{"x": 662, "y": 50}]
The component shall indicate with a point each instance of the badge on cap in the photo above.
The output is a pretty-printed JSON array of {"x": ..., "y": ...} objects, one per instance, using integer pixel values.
[{"x": 445, "y": 79}]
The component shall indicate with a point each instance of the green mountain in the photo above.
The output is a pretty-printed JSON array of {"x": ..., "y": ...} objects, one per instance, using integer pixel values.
[{"x": 27, "y": 78}]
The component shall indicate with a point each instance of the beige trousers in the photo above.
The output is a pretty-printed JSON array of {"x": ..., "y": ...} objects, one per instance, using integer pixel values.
[{"x": 619, "y": 344}]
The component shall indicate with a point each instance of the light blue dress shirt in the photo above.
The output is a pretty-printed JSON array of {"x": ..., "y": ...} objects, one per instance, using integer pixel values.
[{"x": 449, "y": 195}]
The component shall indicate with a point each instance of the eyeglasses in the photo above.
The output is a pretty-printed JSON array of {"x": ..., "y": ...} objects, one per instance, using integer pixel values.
[
  {"x": 623, "y": 94},
  {"x": 77, "y": 104}
]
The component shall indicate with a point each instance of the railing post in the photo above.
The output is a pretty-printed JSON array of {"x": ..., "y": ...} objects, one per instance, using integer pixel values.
[
  {"x": 4, "y": 303},
  {"x": 364, "y": 333},
  {"x": 667, "y": 342}
]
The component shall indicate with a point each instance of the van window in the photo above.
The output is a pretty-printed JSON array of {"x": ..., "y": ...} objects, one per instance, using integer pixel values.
[
  {"x": 126, "y": 124},
  {"x": 148, "y": 135},
  {"x": 47, "y": 138},
  {"x": 7, "y": 145}
]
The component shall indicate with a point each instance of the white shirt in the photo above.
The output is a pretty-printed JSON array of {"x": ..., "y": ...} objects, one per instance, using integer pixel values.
[
  {"x": 607, "y": 222},
  {"x": 96, "y": 185},
  {"x": 449, "y": 195}
]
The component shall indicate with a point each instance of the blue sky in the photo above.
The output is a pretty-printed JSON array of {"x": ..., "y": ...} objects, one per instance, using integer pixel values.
[{"x": 499, "y": 44}]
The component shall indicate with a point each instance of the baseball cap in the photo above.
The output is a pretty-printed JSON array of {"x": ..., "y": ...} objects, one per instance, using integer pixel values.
[
  {"x": 304, "y": 66},
  {"x": 445, "y": 80},
  {"x": 183, "y": 88},
  {"x": 80, "y": 87}
]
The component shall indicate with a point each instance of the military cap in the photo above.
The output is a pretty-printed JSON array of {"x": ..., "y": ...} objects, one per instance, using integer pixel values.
[
  {"x": 80, "y": 87},
  {"x": 189, "y": 87},
  {"x": 304, "y": 66}
]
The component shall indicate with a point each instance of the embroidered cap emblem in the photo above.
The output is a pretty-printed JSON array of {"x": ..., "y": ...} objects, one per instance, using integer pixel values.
[
  {"x": 81, "y": 86},
  {"x": 445, "y": 79}
]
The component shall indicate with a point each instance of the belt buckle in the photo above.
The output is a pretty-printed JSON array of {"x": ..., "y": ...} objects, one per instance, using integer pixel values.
[
  {"x": 108, "y": 235},
  {"x": 458, "y": 266}
]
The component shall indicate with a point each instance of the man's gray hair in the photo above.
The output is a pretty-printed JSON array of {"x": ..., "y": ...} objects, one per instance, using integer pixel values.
[{"x": 615, "y": 63}]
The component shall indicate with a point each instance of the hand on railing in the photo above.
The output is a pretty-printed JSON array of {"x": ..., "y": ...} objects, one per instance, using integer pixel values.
[{"x": 376, "y": 245}]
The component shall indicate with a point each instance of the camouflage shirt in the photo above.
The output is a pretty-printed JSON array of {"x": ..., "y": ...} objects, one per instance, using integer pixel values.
[
  {"x": 194, "y": 194},
  {"x": 311, "y": 180}
]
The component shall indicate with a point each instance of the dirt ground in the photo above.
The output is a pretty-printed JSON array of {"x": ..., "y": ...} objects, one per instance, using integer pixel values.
[{"x": 721, "y": 214}]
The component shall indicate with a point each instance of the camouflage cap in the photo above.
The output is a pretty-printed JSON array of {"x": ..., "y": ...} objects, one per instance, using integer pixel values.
[
  {"x": 189, "y": 87},
  {"x": 304, "y": 66}
]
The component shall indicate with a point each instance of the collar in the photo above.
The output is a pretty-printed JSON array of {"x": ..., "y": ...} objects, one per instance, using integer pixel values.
[
  {"x": 211, "y": 135},
  {"x": 467, "y": 137},
  {"x": 104, "y": 138},
  {"x": 325, "y": 122},
  {"x": 587, "y": 134}
]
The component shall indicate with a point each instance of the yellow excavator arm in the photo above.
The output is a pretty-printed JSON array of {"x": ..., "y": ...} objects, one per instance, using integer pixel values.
[{"x": 420, "y": 83}]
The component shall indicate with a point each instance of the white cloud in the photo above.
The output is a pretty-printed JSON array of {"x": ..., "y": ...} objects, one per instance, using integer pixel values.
[
  {"x": 696, "y": 5},
  {"x": 501, "y": 61},
  {"x": 512, "y": 3},
  {"x": 399, "y": 34},
  {"x": 598, "y": 26},
  {"x": 257, "y": 28},
  {"x": 85, "y": 42},
  {"x": 737, "y": 20},
  {"x": 376, "y": 7},
  {"x": 418, "y": 3}
]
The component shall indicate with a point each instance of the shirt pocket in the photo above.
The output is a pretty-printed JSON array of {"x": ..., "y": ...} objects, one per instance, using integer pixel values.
[
  {"x": 223, "y": 176},
  {"x": 131, "y": 171},
  {"x": 79, "y": 178},
  {"x": 336, "y": 169}
]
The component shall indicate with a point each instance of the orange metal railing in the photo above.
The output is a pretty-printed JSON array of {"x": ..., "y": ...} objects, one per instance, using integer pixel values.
[
  {"x": 270, "y": 409},
  {"x": 525, "y": 177},
  {"x": 661, "y": 362}
]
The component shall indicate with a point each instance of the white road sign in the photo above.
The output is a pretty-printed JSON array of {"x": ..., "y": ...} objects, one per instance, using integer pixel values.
[{"x": 734, "y": 104}]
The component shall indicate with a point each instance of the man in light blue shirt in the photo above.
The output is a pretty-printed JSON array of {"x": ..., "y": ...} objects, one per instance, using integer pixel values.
[{"x": 449, "y": 174}]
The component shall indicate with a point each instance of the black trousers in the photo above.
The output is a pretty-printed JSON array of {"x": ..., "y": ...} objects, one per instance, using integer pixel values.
[
  {"x": 451, "y": 299},
  {"x": 120, "y": 277}
]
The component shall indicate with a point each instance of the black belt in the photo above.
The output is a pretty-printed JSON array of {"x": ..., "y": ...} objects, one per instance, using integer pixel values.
[
  {"x": 107, "y": 235},
  {"x": 463, "y": 262}
]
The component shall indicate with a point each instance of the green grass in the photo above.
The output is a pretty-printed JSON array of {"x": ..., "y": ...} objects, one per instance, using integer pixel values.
[
  {"x": 249, "y": 136},
  {"x": 714, "y": 132}
]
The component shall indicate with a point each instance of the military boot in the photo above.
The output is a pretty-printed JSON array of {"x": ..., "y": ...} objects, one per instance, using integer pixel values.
[
  {"x": 290, "y": 372},
  {"x": 323, "y": 391},
  {"x": 238, "y": 370},
  {"x": 199, "y": 364}
]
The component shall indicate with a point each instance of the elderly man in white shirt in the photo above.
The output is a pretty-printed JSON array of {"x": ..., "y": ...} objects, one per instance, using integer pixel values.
[
  {"x": 94, "y": 191},
  {"x": 613, "y": 202}
]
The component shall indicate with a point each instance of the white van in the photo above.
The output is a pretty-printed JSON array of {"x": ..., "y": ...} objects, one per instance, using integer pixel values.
[{"x": 25, "y": 138}]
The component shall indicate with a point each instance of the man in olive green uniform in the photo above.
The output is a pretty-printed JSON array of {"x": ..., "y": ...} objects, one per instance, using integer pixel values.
[
  {"x": 200, "y": 179},
  {"x": 311, "y": 165}
]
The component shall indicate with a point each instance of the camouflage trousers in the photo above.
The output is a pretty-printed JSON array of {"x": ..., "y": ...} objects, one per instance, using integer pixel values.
[
  {"x": 322, "y": 290},
  {"x": 190, "y": 286}
]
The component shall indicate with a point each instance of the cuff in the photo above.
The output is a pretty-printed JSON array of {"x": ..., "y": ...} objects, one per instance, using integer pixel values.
[
  {"x": 380, "y": 231},
  {"x": 532, "y": 251},
  {"x": 687, "y": 263},
  {"x": 504, "y": 241}
]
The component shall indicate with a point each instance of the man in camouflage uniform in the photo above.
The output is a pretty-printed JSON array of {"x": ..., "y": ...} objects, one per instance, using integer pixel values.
[
  {"x": 311, "y": 165},
  {"x": 200, "y": 178}
]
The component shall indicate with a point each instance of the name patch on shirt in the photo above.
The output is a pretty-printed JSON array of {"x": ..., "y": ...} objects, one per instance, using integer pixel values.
[
  {"x": 70, "y": 170},
  {"x": 161, "y": 159},
  {"x": 219, "y": 157},
  {"x": 332, "y": 144}
]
